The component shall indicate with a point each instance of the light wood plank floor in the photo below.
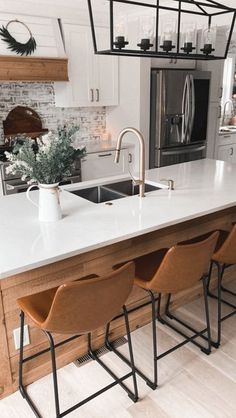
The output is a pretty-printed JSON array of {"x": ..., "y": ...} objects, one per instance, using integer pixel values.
[{"x": 191, "y": 384}]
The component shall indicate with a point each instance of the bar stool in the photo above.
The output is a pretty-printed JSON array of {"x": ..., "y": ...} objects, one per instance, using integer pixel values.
[
  {"x": 224, "y": 257},
  {"x": 169, "y": 272},
  {"x": 78, "y": 308}
]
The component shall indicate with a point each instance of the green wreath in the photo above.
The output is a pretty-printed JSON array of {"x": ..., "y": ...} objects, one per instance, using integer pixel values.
[{"x": 21, "y": 49}]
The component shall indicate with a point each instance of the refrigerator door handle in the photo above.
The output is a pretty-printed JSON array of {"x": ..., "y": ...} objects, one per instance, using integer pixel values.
[
  {"x": 184, "y": 150},
  {"x": 192, "y": 106},
  {"x": 185, "y": 110}
]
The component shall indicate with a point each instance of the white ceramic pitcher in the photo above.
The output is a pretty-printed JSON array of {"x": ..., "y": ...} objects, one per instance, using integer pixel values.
[{"x": 49, "y": 202}]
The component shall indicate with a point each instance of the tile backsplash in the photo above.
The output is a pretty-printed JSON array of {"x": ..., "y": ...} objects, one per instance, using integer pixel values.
[{"x": 41, "y": 98}]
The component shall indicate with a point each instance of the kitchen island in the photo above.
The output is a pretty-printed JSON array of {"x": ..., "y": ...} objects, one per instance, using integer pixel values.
[{"x": 92, "y": 238}]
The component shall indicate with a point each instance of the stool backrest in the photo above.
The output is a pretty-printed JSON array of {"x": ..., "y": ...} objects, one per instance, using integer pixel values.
[
  {"x": 227, "y": 252},
  {"x": 184, "y": 265},
  {"x": 85, "y": 305}
]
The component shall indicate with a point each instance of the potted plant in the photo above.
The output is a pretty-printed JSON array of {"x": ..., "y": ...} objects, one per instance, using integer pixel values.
[{"x": 46, "y": 163}]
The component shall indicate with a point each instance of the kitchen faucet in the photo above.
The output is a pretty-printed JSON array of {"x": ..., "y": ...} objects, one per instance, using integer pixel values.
[
  {"x": 141, "y": 181},
  {"x": 224, "y": 111}
]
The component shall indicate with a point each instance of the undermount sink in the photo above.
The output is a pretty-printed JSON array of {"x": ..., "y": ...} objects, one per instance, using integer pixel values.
[
  {"x": 106, "y": 193},
  {"x": 98, "y": 194},
  {"x": 129, "y": 188}
]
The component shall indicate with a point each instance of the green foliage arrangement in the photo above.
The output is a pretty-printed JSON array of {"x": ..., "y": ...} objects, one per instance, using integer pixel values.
[{"x": 52, "y": 161}]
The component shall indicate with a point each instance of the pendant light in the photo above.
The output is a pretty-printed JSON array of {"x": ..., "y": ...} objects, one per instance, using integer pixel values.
[{"x": 183, "y": 29}]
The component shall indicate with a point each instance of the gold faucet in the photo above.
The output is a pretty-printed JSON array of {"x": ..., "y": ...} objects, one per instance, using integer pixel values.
[{"x": 141, "y": 181}]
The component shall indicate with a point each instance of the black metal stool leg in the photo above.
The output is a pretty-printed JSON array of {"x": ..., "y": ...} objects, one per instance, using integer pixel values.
[
  {"x": 153, "y": 385},
  {"x": 167, "y": 308},
  {"x": 22, "y": 388},
  {"x": 22, "y": 322},
  {"x": 135, "y": 397},
  {"x": 159, "y": 318},
  {"x": 204, "y": 282},
  {"x": 209, "y": 277},
  {"x": 220, "y": 275},
  {"x": 54, "y": 373}
]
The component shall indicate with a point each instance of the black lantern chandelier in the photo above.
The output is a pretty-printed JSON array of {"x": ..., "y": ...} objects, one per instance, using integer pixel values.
[{"x": 183, "y": 29}]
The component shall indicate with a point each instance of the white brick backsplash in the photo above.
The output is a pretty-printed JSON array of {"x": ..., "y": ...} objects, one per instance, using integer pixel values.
[{"x": 41, "y": 98}]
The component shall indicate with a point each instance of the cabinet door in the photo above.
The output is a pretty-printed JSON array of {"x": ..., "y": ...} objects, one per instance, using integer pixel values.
[
  {"x": 79, "y": 90},
  {"x": 213, "y": 126},
  {"x": 93, "y": 79},
  {"x": 172, "y": 63},
  {"x": 102, "y": 164},
  {"x": 227, "y": 153},
  {"x": 216, "y": 68},
  {"x": 106, "y": 74}
]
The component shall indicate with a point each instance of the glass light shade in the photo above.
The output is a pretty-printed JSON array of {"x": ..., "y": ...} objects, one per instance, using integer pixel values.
[
  {"x": 120, "y": 32},
  {"x": 188, "y": 37},
  {"x": 146, "y": 26},
  {"x": 146, "y": 32},
  {"x": 168, "y": 35},
  {"x": 121, "y": 26},
  {"x": 209, "y": 40}
]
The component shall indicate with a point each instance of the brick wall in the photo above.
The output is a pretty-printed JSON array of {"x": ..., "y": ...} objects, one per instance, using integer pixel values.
[{"x": 41, "y": 98}]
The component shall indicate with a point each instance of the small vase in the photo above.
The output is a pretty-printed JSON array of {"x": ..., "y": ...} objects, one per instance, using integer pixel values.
[{"x": 49, "y": 202}]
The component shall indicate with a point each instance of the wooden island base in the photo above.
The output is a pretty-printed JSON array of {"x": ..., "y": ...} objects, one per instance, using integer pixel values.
[{"x": 100, "y": 262}]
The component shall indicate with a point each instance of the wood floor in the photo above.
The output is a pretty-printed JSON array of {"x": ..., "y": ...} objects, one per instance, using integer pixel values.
[{"x": 191, "y": 384}]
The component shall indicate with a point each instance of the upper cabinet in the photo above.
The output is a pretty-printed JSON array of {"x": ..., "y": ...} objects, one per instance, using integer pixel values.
[{"x": 93, "y": 79}]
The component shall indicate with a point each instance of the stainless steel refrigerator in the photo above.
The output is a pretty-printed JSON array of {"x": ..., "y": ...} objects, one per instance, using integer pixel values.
[{"x": 179, "y": 113}]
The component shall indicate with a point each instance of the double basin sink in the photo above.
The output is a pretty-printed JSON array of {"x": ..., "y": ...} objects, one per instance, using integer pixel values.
[{"x": 108, "y": 192}]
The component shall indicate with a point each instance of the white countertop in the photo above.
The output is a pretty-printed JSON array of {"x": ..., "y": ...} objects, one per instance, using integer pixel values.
[{"x": 202, "y": 187}]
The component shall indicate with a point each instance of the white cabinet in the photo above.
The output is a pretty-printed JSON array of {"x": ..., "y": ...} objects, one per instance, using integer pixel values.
[
  {"x": 213, "y": 126},
  {"x": 102, "y": 164},
  {"x": 227, "y": 153},
  {"x": 216, "y": 68},
  {"x": 93, "y": 79},
  {"x": 172, "y": 63}
]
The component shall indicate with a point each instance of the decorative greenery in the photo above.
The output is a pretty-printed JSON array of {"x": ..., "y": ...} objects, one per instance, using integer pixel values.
[
  {"x": 53, "y": 160},
  {"x": 22, "y": 49}
]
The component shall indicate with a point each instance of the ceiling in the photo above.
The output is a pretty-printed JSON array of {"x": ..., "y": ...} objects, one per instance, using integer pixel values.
[{"x": 69, "y": 8}]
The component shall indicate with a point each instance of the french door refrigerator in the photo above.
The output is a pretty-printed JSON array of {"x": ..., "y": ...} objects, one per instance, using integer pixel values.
[{"x": 179, "y": 113}]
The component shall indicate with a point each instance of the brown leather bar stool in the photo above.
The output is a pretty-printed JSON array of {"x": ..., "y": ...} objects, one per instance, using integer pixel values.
[
  {"x": 169, "y": 272},
  {"x": 78, "y": 308},
  {"x": 224, "y": 257}
]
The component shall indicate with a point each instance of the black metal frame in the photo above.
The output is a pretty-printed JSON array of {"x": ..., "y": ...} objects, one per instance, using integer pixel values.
[
  {"x": 117, "y": 380},
  {"x": 221, "y": 269},
  {"x": 217, "y": 9},
  {"x": 156, "y": 315}
]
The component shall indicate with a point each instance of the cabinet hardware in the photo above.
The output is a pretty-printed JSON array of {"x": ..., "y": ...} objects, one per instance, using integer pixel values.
[
  {"x": 91, "y": 95},
  {"x": 171, "y": 60},
  {"x": 219, "y": 112},
  {"x": 227, "y": 136},
  {"x": 130, "y": 158},
  {"x": 221, "y": 93},
  {"x": 105, "y": 155},
  {"x": 98, "y": 98},
  {"x": 83, "y": 160},
  {"x": 231, "y": 151}
]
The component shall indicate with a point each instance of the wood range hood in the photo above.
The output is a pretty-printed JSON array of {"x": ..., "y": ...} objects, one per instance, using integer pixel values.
[{"x": 33, "y": 69}]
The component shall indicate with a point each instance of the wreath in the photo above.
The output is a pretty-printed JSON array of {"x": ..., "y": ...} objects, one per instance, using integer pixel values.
[{"x": 22, "y": 49}]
